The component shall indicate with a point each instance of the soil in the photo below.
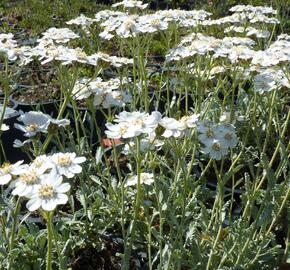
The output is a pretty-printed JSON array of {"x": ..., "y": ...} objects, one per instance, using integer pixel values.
[
  {"x": 37, "y": 94},
  {"x": 88, "y": 258}
]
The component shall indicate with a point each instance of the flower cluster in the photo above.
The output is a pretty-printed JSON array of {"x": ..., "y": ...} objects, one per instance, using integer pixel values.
[
  {"x": 42, "y": 180},
  {"x": 216, "y": 138},
  {"x": 105, "y": 93},
  {"x": 126, "y": 25},
  {"x": 38, "y": 122}
]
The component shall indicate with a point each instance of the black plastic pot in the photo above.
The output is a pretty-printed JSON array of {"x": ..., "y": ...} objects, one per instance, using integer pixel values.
[
  {"x": 48, "y": 107},
  {"x": 8, "y": 137}
]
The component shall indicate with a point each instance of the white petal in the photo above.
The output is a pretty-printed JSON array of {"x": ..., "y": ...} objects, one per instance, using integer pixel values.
[
  {"x": 75, "y": 169},
  {"x": 61, "y": 198},
  {"x": 48, "y": 205},
  {"x": 79, "y": 160},
  {"x": 5, "y": 179},
  {"x": 63, "y": 188},
  {"x": 33, "y": 204}
]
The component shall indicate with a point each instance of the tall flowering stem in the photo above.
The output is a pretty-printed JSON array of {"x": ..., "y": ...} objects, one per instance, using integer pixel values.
[
  {"x": 13, "y": 231},
  {"x": 137, "y": 205},
  {"x": 49, "y": 216}
]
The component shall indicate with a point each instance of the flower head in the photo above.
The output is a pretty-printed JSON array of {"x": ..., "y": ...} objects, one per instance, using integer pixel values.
[
  {"x": 48, "y": 193},
  {"x": 67, "y": 164}
]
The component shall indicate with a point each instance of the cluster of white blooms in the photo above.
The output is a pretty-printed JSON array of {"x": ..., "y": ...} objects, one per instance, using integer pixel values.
[
  {"x": 269, "y": 79},
  {"x": 255, "y": 9},
  {"x": 233, "y": 48},
  {"x": 178, "y": 128},
  {"x": 145, "y": 178},
  {"x": 131, "y": 4},
  {"x": 105, "y": 93},
  {"x": 278, "y": 52},
  {"x": 41, "y": 180},
  {"x": 83, "y": 21},
  {"x": 248, "y": 31},
  {"x": 58, "y": 35},
  {"x": 8, "y": 45},
  {"x": 246, "y": 15},
  {"x": 216, "y": 138},
  {"x": 126, "y": 25},
  {"x": 37, "y": 122},
  {"x": 132, "y": 124},
  {"x": 113, "y": 60}
]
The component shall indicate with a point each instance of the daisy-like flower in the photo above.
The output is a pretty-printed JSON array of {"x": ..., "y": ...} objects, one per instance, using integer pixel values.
[
  {"x": 59, "y": 35},
  {"x": 48, "y": 193},
  {"x": 190, "y": 121},
  {"x": 42, "y": 163},
  {"x": 216, "y": 149},
  {"x": 145, "y": 178},
  {"x": 67, "y": 164},
  {"x": 208, "y": 132},
  {"x": 34, "y": 122},
  {"x": 25, "y": 183},
  {"x": 7, "y": 171},
  {"x": 173, "y": 127},
  {"x": 81, "y": 89},
  {"x": 228, "y": 135},
  {"x": 122, "y": 130}
]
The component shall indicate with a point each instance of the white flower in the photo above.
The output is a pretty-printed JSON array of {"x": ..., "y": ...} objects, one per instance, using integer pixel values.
[
  {"x": 67, "y": 164},
  {"x": 25, "y": 183},
  {"x": 145, "y": 178},
  {"x": 141, "y": 121},
  {"x": 81, "y": 89},
  {"x": 189, "y": 121},
  {"x": 122, "y": 130},
  {"x": 59, "y": 35},
  {"x": 173, "y": 127},
  {"x": 42, "y": 163},
  {"x": 34, "y": 122},
  {"x": 216, "y": 149},
  {"x": 227, "y": 135},
  {"x": 7, "y": 171},
  {"x": 48, "y": 193},
  {"x": 131, "y": 4},
  {"x": 81, "y": 20},
  {"x": 208, "y": 132}
]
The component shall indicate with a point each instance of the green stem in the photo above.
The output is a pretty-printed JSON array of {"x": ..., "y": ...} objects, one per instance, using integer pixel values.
[
  {"x": 49, "y": 241},
  {"x": 13, "y": 231},
  {"x": 137, "y": 205}
]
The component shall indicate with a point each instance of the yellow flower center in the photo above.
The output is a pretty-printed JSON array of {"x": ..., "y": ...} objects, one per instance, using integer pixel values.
[
  {"x": 45, "y": 192},
  {"x": 5, "y": 168},
  {"x": 228, "y": 136},
  {"x": 64, "y": 161},
  {"x": 123, "y": 130},
  {"x": 210, "y": 133},
  {"x": 216, "y": 147},
  {"x": 155, "y": 23},
  {"x": 32, "y": 127},
  {"x": 29, "y": 178}
]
